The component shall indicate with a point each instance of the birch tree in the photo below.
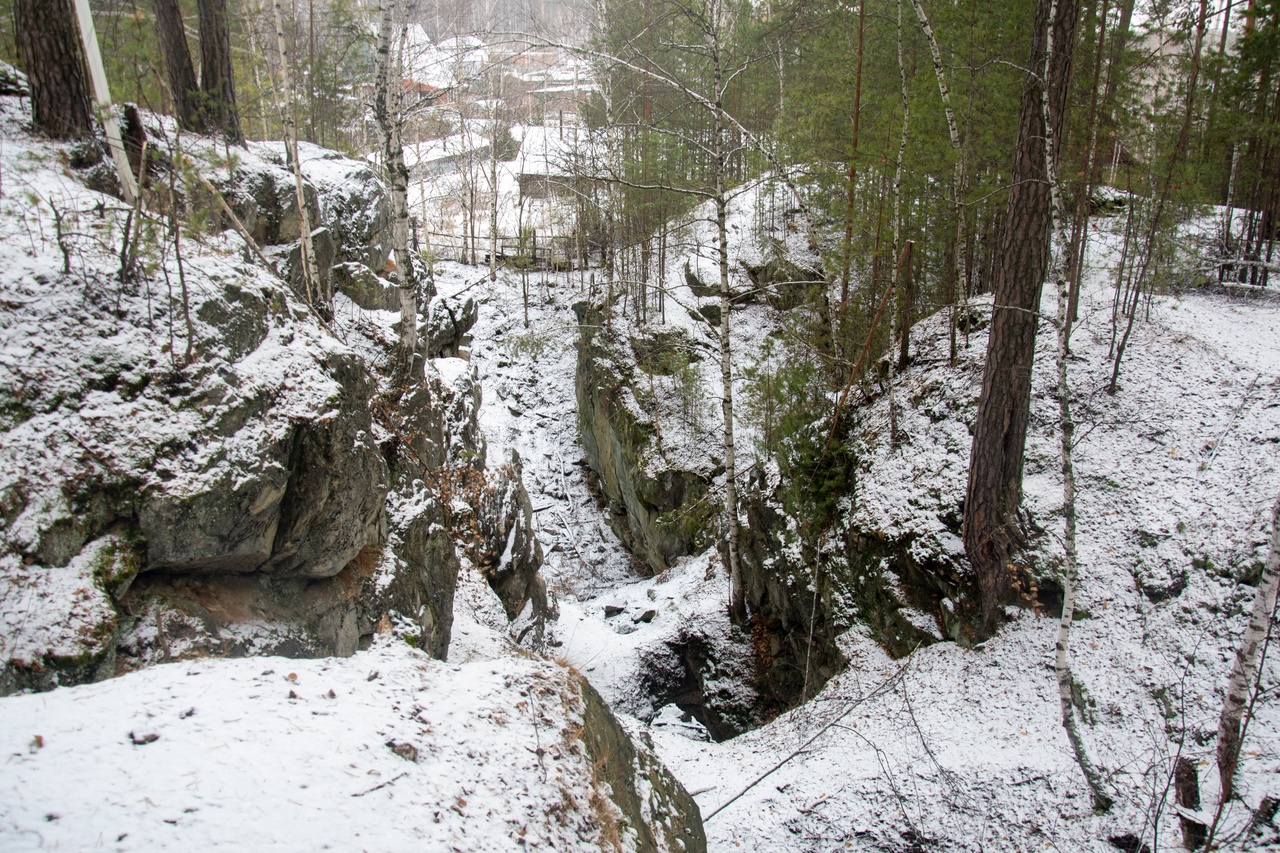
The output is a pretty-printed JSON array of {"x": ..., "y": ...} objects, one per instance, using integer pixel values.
[
  {"x": 310, "y": 274},
  {"x": 388, "y": 108},
  {"x": 957, "y": 176},
  {"x": 1245, "y": 666},
  {"x": 1058, "y": 274},
  {"x": 696, "y": 64},
  {"x": 894, "y": 320}
]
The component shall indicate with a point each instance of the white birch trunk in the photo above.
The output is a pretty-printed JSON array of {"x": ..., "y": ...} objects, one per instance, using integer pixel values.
[
  {"x": 897, "y": 236},
  {"x": 957, "y": 178},
  {"x": 1245, "y": 666},
  {"x": 310, "y": 275},
  {"x": 388, "y": 108},
  {"x": 102, "y": 100},
  {"x": 1057, "y": 273}
]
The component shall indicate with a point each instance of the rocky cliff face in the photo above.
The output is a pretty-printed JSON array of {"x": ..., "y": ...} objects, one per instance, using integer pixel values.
[
  {"x": 657, "y": 508},
  {"x": 194, "y": 463},
  {"x": 271, "y": 492},
  {"x": 656, "y": 809},
  {"x": 804, "y": 589}
]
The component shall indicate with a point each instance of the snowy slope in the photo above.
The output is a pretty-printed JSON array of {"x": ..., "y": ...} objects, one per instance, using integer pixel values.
[
  {"x": 387, "y": 750},
  {"x": 963, "y": 750},
  {"x": 954, "y": 749}
]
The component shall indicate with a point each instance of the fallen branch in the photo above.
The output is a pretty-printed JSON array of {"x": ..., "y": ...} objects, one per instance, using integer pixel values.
[{"x": 383, "y": 785}]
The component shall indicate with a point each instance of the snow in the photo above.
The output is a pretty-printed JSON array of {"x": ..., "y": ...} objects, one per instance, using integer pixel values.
[
  {"x": 386, "y": 750},
  {"x": 951, "y": 748},
  {"x": 964, "y": 750},
  {"x": 947, "y": 749}
]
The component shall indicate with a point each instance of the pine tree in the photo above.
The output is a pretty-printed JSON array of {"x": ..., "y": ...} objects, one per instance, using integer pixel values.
[
  {"x": 181, "y": 75},
  {"x": 217, "y": 78},
  {"x": 992, "y": 530},
  {"x": 50, "y": 50}
]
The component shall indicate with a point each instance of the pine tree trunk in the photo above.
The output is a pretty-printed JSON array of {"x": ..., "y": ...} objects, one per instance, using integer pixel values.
[
  {"x": 179, "y": 73},
  {"x": 992, "y": 533},
  {"x": 46, "y": 37},
  {"x": 217, "y": 80}
]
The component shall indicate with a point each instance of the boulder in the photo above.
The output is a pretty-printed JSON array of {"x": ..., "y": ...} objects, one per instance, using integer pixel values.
[
  {"x": 312, "y": 501},
  {"x": 364, "y": 287},
  {"x": 510, "y": 555},
  {"x": 447, "y": 326},
  {"x": 326, "y": 253},
  {"x": 265, "y": 201},
  {"x": 13, "y": 81},
  {"x": 335, "y": 500},
  {"x": 240, "y": 316},
  {"x": 784, "y": 283},
  {"x": 424, "y": 580}
]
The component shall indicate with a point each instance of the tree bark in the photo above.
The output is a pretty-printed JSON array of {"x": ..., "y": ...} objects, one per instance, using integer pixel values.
[
  {"x": 895, "y": 318},
  {"x": 1078, "y": 246},
  {"x": 179, "y": 73},
  {"x": 45, "y": 31},
  {"x": 1059, "y": 275},
  {"x": 846, "y": 259},
  {"x": 306, "y": 250},
  {"x": 957, "y": 176},
  {"x": 992, "y": 533},
  {"x": 388, "y": 97},
  {"x": 217, "y": 80},
  {"x": 1245, "y": 666},
  {"x": 737, "y": 586}
]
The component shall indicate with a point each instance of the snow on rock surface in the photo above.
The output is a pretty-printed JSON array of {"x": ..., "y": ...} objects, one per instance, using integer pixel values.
[
  {"x": 949, "y": 748},
  {"x": 251, "y": 482},
  {"x": 387, "y": 750},
  {"x": 963, "y": 749},
  {"x": 192, "y": 418}
]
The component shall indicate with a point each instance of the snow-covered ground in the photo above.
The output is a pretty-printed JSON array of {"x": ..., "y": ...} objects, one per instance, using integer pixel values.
[
  {"x": 386, "y": 750},
  {"x": 951, "y": 748},
  {"x": 947, "y": 749},
  {"x": 963, "y": 749}
]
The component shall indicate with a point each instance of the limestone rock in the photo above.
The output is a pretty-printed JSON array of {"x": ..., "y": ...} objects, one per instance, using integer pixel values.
[
  {"x": 447, "y": 326},
  {"x": 658, "y": 511},
  {"x": 334, "y": 504}
]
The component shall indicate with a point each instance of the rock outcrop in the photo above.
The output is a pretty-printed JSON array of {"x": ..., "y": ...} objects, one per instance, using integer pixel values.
[
  {"x": 662, "y": 814},
  {"x": 276, "y": 491},
  {"x": 657, "y": 508}
]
